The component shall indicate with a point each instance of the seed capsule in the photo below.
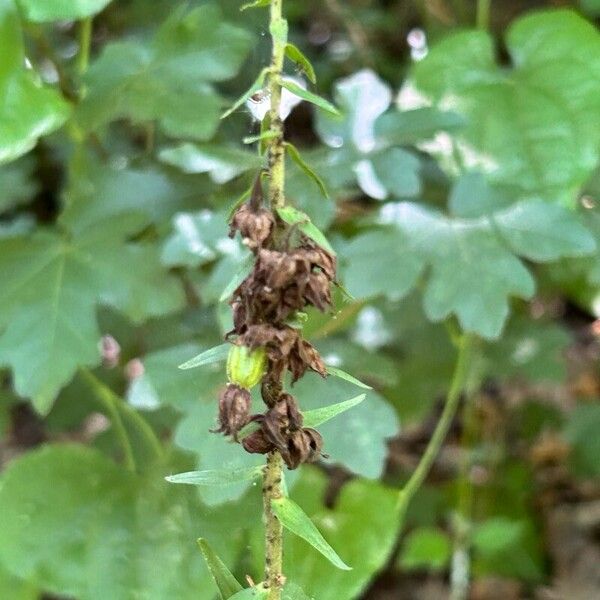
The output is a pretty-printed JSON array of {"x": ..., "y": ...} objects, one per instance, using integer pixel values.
[{"x": 246, "y": 367}]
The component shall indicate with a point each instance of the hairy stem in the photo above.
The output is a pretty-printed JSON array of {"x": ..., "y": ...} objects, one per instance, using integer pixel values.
[
  {"x": 273, "y": 529},
  {"x": 459, "y": 381},
  {"x": 276, "y": 148},
  {"x": 272, "y": 487}
]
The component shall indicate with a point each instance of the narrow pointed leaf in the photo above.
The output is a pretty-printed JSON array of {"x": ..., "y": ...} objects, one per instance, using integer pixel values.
[
  {"x": 242, "y": 273},
  {"x": 265, "y": 135},
  {"x": 306, "y": 168},
  {"x": 257, "y": 85},
  {"x": 293, "y": 216},
  {"x": 318, "y": 416},
  {"x": 290, "y": 86},
  {"x": 255, "y": 4},
  {"x": 294, "y": 519},
  {"x": 216, "y": 477},
  {"x": 294, "y": 53},
  {"x": 228, "y": 585},
  {"x": 347, "y": 377},
  {"x": 212, "y": 355}
]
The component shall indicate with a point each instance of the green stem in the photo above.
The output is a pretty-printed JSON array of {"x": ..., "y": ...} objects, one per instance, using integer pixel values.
[
  {"x": 460, "y": 572},
  {"x": 85, "y": 42},
  {"x": 107, "y": 398},
  {"x": 121, "y": 413},
  {"x": 459, "y": 380},
  {"x": 483, "y": 14},
  {"x": 272, "y": 489}
]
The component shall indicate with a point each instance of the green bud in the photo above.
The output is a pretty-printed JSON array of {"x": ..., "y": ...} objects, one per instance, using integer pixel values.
[{"x": 246, "y": 367}]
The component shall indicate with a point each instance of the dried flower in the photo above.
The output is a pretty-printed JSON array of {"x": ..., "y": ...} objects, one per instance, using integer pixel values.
[{"x": 234, "y": 409}]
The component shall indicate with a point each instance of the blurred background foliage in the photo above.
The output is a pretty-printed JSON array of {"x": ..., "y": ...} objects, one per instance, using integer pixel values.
[{"x": 463, "y": 190}]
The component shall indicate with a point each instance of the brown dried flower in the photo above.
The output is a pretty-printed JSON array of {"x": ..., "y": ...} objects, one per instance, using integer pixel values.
[{"x": 234, "y": 409}]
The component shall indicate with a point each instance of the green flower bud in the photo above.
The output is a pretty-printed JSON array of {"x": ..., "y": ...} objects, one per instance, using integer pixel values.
[{"x": 246, "y": 367}]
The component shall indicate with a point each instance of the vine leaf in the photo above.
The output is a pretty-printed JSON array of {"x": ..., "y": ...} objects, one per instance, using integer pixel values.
[
  {"x": 318, "y": 416},
  {"x": 216, "y": 477},
  {"x": 28, "y": 109},
  {"x": 306, "y": 168},
  {"x": 82, "y": 495},
  {"x": 227, "y": 584},
  {"x": 541, "y": 135},
  {"x": 293, "y": 216},
  {"x": 294, "y": 519},
  {"x": 41, "y": 11},
  {"x": 295, "y": 54},
  {"x": 293, "y": 87},
  {"x": 212, "y": 355},
  {"x": 222, "y": 163},
  {"x": 53, "y": 286},
  {"x": 170, "y": 80}
]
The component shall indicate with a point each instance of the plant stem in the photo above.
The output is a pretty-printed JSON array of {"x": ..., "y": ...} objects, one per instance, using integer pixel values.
[
  {"x": 272, "y": 489},
  {"x": 85, "y": 42},
  {"x": 459, "y": 380},
  {"x": 120, "y": 413},
  {"x": 105, "y": 395},
  {"x": 273, "y": 529},
  {"x": 278, "y": 29},
  {"x": 483, "y": 14}
]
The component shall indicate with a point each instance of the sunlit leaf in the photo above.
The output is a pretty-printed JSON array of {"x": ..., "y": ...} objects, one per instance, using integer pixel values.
[{"x": 228, "y": 585}]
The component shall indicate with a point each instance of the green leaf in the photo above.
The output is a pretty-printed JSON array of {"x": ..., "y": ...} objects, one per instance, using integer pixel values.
[
  {"x": 222, "y": 163},
  {"x": 497, "y": 535},
  {"x": 42, "y": 11},
  {"x": 16, "y": 589},
  {"x": 243, "y": 272},
  {"x": 426, "y": 548},
  {"x": 294, "y": 53},
  {"x": 28, "y": 109},
  {"x": 212, "y": 355},
  {"x": 540, "y": 135},
  {"x": 293, "y": 592},
  {"x": 294, "y": 519},
  {"x": 306, "y": 168},
  {"x": 411, "y": 126},
  {"x": 365, "y": 537},
  {"x": 53, "y": 285},
  {"x": 103, "y": 527},
  {"x": 221, "y": 477},
  {"x": 347, "y": 377},
  {"x": 363, "y": 98},
  {"x": 293, "y": 216},
  {"x": 169, "y": 80},
  {"x": 290, "y": 86},
  {"x": 227, "y": 584},
  {"x": 255, "y": 4},
  {"x": 314, "y": 418},
  {"x": 398, "y": 171},
  {"x": 17, "y": 183},
  {"x": 370, "y": 259},
  {"x": 347, "y": 441},
  {"x": 97, "y": 191},
  {"x": 257, "y": 85}
]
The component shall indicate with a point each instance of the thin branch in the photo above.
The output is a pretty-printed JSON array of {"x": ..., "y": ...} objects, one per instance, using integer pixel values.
[{"x": 459, "y": 381}]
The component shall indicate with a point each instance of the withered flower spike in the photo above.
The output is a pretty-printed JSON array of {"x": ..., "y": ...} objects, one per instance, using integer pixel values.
[{"x": 234, "y": 410}]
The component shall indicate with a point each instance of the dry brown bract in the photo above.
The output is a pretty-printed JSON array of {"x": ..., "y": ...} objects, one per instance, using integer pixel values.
[{"x": 254, "y": 224}]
